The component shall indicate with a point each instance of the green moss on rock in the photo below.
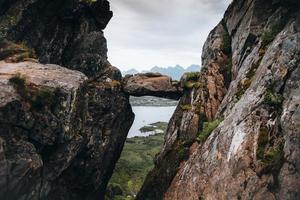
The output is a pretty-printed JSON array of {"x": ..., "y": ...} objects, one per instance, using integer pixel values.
[
  {"x": 273, "y": 99},
  {"x": 192, "y": 76},
  {"x": 262, "y": 142},
  {"x": 226, "y": 41},
  {"x": 38, "y": 98},
  {"x": 18, "y": 80},
  {"x": 15, "y": 52},
  {"x": 186, "y": 107},
  {"x": 207, "y": 129}
]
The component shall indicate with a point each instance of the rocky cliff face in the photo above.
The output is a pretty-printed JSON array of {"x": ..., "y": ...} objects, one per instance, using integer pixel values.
[
  {"x": 61, "y": 131},
  {"x": 235, "y": 133}
]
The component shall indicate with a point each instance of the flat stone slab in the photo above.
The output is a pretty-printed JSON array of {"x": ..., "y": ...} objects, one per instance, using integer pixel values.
[
  {"x": 52, "y": 76},
  {"x": 152, "y": 84}
]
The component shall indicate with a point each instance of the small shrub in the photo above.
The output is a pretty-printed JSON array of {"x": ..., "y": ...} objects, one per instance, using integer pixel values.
[
  {"x": 268, "y": 155},
  {"x": 267, "y": 38},
  {"x": 262, "y": 142},
  {"x": 189, "y": 84},
  {"x": 18, "y": 80},
  {"x": 186, "y": 107},
  {"x": 207, "y": 129},
  {"x": 274, "y": 155},
  {"x": 192, "y": 76},
  {"x": 273, "y": 99},
  {"x": 15, "y": 52}
]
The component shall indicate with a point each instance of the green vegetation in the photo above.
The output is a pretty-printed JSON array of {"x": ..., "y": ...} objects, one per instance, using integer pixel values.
[
  {"x": 192, "y": 76},
  {"x": 160, "y": 125},
  {"x": 269, "y": 151},
  {"x": 208, "y": 127},
  {"x": 89, "y": 1},
  {"x": 38, "y": 98},
  {"x": 155, "y": 126},
  {"x": 186, "y": 107},
  {"x": 15, "y": 52},
  {"x": 226, "y": 41},
  {"x": 146, "y": 129},
  {"x": 191, "y": 79},
  {"x": 269, "y": 35},
  {"x": 189, "y": 84},
  {"x": 262, "y": 142},
  {"x": 274, "y": 100},
  {"x": 18, "y": 80},
  {"x": 134, "y": 164},
  {"x": 227, "y": 72},
  {"x": 274, "y": 155}
]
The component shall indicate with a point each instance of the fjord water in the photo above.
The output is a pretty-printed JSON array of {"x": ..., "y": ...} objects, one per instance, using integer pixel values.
[{"x": 145, "y": 115}]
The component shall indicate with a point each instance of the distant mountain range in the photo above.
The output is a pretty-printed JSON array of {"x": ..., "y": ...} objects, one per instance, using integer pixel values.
[{"x": 175, "y": 72}]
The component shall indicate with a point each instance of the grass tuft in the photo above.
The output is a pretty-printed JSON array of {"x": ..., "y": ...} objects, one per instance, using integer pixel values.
[
  {"x": 273, "y": 99},
  {"x": 186, "y": 107},
  {"x": 18, "y": 80},
  {"x": 207, "y": 129},
  {"x": 192, "y": 76}
]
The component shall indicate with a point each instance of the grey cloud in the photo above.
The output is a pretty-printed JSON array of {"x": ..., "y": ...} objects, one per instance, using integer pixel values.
[{"x": 175, "y": 26}]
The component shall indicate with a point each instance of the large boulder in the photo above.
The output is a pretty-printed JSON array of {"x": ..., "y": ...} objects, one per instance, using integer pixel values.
[
  {"x": 42, "y": 119},
  {"x": 151, "y": 84},
  {"x": 69, "y": 33}
]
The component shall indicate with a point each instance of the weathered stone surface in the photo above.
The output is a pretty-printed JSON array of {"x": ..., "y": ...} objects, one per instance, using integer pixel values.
[
  {"x": 38, "y": 141},
  {"x": 151, "y": 84},
  {"x": 68, "y": 33},
  {"x": 254, "y": 152},
  {"x": 203, "y": 93}
]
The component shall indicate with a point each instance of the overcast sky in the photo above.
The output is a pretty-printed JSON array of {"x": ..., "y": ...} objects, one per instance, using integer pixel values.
[{"x": 147, "y": 33}]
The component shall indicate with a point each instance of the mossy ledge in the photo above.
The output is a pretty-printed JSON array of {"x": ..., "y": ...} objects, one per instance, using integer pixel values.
[{"x": 39, "y": 99}]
